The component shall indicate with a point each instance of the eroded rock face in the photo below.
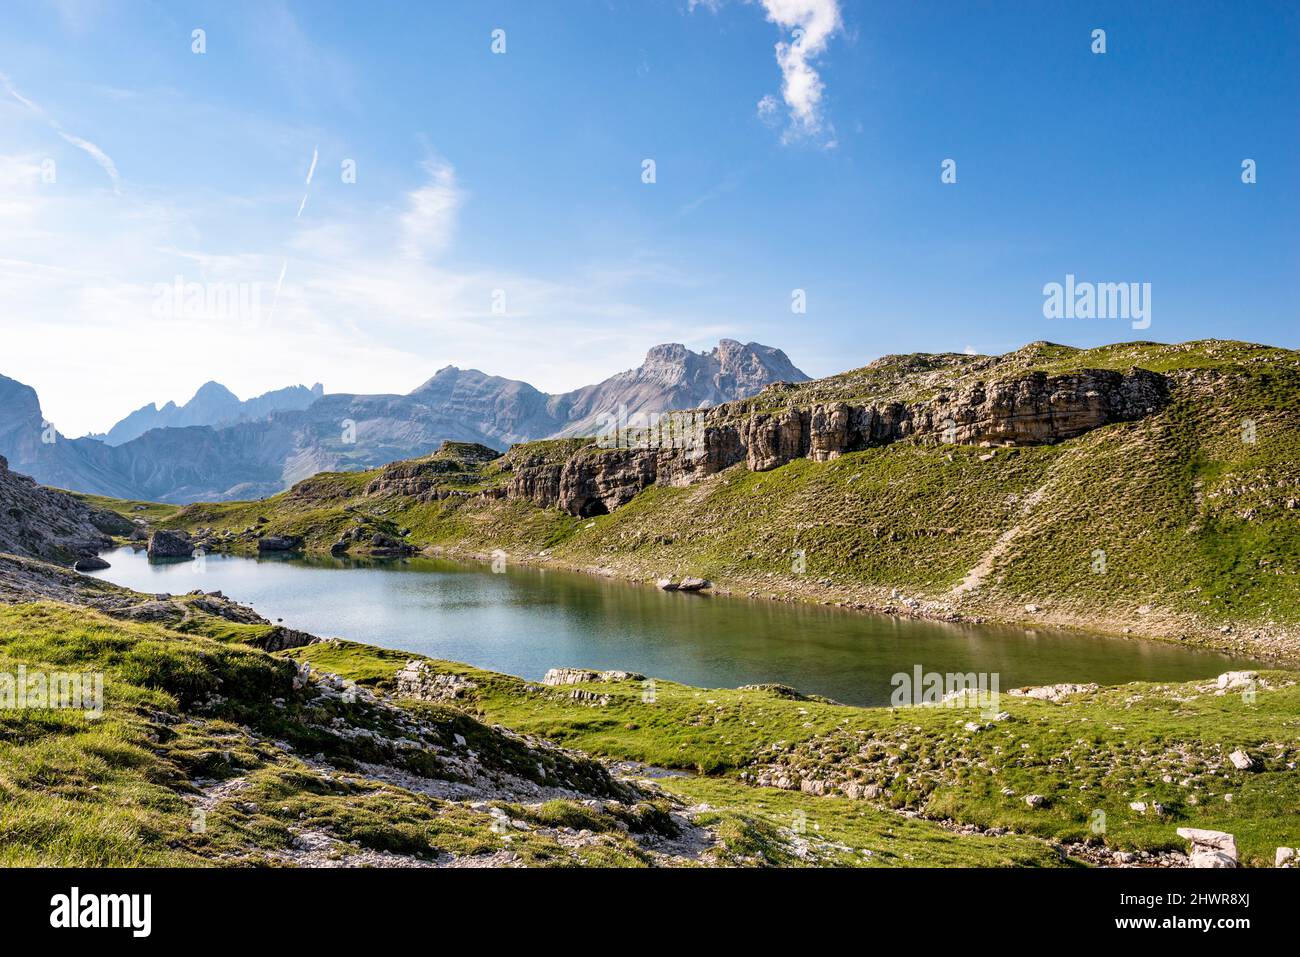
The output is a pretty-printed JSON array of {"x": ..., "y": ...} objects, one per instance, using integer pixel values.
[
  {"x": 1035, "y": 409},
  {"x": 537, "y": 479},
  {"x": 829, "y": 428},
  {"x": 38, "y": 522},
  {"x": 577, "y": 676},
  {"x": 1040, "y": 409},
  {"x": 772, "y": 440},
  {"x": 597, "y": 481}
]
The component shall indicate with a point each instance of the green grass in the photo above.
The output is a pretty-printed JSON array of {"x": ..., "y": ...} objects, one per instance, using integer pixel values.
[
  {"x": 119, "y": 789},
  {"x": 186, "y": 707},
  {"x": 152, "y": 512},
  {"x": 1097, "y": 753},
  {"x": 788, "y": 829},
  {"x": 184, "y": 711}
]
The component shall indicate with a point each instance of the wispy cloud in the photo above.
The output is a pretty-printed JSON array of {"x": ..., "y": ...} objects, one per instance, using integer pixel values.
[
  {"x": 373, "y": 302},
  {"x": 98, "y": 155},
  {"x": 726, "y": 186},
  {"x": 431, "y": 213}
]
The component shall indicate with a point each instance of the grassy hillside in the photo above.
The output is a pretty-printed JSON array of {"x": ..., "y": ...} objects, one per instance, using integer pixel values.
[
  {"x": 1183, "y": 525},
  {"x": 1097, "y": 751},
  {"x": 211, "y": 752}
]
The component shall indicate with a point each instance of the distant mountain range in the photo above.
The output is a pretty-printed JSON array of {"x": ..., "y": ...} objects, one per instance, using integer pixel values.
[
  {"x": 213, "y": 404},
  {"x": 217, "y": 448}
]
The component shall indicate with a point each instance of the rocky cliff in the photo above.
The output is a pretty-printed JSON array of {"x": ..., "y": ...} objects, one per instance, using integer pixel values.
[
  {"x": 770, "y": 430},
  {"x": 38, "y": 522}
]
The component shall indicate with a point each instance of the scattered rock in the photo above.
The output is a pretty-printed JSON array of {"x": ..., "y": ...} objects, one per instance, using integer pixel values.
[
  {"x": 694, "y": 584},
  {"x": 279, "y": 543},
  {"x": 1241, "y": 760},
  {"x": 1210, "y": 848},
  {"x": 90, "y": 564},
  {"x": 569, "y": 676},
  {"x": 575, "y": 676},
  {"x": 1052, "y": 692},
  {"x": 168, "y": 544},
  {"x": 1236, "y": 680},
  {"x": 1035, "y": 800}
]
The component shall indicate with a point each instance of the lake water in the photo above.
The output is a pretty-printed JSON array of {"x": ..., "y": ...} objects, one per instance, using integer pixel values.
[{"x": 527, "y": 620}]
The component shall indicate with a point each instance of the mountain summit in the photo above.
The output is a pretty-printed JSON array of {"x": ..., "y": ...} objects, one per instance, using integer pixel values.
[
  {"x": 216, "y": 447},
  {"x": 673, "y": 377}
]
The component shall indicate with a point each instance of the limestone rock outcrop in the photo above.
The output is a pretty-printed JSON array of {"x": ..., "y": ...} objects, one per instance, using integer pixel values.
[
  {"x": 1033, "y": 409},
  {"x": 1210, "y": 848},
  {"x": 577, "y": 676},
  {"x": 419, "y": 680}
]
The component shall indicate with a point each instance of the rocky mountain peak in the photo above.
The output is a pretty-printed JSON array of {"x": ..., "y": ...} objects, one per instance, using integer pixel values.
[
  {"x": 212, "y": 404},
  {"x": 667, "y": 352},
  {"x": 212, "y": 389},
  {"x": 262, "y": 445}
]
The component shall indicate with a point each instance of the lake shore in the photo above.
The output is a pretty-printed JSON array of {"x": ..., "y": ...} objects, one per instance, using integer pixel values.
[
  {"x": 454, "y": 608},
  {"x": 1280, "y": 647}
]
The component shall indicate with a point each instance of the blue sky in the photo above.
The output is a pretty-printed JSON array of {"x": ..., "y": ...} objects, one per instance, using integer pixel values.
[{"x": 499, "y": 219}]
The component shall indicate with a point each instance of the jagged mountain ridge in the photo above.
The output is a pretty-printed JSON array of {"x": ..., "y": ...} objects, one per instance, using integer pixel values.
[
  {"x": 673, "y": 377},
  {"x": 213, "y": 404},
  {"x": 345, "y": 432}
]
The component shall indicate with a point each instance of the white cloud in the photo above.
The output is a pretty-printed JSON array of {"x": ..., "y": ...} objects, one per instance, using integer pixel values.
[{"x": 813, "y": 23}]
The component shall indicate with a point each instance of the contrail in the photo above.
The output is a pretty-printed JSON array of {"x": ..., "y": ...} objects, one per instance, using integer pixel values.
[
  {"x": 315, "y": 155},
  {"x": 98, "y": 155},
  {"x": 278, "y": 283}
]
